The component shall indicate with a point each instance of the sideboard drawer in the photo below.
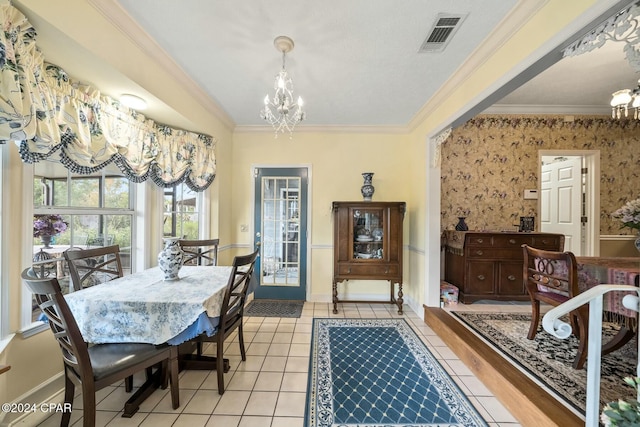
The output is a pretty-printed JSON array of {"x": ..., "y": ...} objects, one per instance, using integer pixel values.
[
  {"x": 480, "y": 277},
  {"x": 549, "y": 243},
  {"x": 482, "y": 240},
  {"x": 513, "y": 241},
  {"x": 493, "y": 253},
  {"x": 368, "y": 270}
]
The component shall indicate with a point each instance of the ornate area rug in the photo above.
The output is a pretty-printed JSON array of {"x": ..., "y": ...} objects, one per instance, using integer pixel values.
[
  {"x": 377, "y": 372},
  {"x": 548, "y": 359},
  {"x": 273, "y": 308}
]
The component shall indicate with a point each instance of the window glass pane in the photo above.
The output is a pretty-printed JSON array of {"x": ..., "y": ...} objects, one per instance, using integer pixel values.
[
  {"x": 85, "y": 191},
  {"x": 181, "y": 212},
  {"x": 49, "y": 184},
  {"x": 116, "y": 188},
  {"x": 116, "y": 192}
]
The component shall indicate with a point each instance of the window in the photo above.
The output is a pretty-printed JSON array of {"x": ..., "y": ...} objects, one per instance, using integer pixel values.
[
  {"x": 4, "y": 279},
  {"x": 182, "y": 211},
  {"x": 97, "y": 208}
]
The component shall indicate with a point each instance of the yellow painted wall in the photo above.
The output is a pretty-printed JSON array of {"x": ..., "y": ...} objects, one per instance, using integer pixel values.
[{"x": 336, "y": 161}]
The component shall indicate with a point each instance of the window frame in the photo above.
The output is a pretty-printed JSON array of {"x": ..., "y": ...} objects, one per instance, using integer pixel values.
[
  {"x": 5, "y": 333},
  {"x": 137, "y": 193}
]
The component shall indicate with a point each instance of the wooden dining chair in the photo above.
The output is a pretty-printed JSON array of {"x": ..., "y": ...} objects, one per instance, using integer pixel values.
[
  {"x": 88, "y": 267},
  {"x": 231, "y": 317},
  {"x": 97, "y": 366},
  {"x": 200, "y": 252},
  {"x": 552, "y": 278}
]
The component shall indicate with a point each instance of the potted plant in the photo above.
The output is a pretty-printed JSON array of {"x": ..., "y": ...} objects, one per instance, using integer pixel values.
[
  {"x": 622, "y": 413},
  {"x": 47, "y": 226},
  {"x": 629, "y": 215}
]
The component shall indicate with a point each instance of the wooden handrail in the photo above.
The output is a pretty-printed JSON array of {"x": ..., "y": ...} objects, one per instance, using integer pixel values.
[
  {"x": 4, "y": 368},
  {"x": 552, "y": 324}
]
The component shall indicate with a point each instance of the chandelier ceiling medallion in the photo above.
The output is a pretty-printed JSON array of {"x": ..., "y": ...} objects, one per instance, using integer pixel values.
[
  {"x": 623, "y": 100},
  {"x": 281, "y": 111}
]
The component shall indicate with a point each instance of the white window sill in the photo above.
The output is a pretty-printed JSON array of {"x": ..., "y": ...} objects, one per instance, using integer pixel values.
[{"x": 33, "y": 329}]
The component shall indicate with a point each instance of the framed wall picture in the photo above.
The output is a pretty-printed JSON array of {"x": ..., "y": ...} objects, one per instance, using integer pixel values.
[{"x": 526, "y": 224}]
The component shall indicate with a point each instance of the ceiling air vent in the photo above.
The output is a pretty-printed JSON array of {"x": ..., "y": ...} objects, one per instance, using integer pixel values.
[{"x": 441, "y": 33}]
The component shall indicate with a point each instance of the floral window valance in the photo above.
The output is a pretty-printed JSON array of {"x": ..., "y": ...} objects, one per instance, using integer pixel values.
[{"x": 44, "y": 112}]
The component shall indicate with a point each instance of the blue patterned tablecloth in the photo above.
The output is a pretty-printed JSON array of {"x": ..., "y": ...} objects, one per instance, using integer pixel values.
[{"x": 142, "y": 307}]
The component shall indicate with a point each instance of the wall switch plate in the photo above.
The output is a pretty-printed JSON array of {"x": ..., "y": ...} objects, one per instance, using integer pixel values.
[
  {"x": 244, "y": 228},
  {"x": 530, "y": 194}
]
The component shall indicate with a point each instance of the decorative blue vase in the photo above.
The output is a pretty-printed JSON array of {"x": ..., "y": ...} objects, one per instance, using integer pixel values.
[
  {"x": 367, "y": 189},
  {"x": 170, "y": 259}
]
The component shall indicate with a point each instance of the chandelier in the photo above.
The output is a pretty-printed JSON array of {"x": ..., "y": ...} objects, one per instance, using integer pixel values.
[
  {"x": 281, "y": 111},
  {"x": 624, "y": 99}
]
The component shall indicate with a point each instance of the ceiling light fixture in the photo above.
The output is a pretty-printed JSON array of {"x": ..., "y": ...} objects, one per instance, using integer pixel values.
[
  {"x": 281, "y": 111},
  {"x": 624, "y": 99},
  {"x": 133, "y": 101}
]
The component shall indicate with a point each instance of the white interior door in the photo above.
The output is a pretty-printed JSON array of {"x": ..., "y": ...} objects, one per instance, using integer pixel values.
[{"x": 561, "y": 201}]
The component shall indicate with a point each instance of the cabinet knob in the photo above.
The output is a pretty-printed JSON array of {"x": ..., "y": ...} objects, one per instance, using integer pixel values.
[
  {"x": 480, "y": 277},
  {"x": 480, "y": 240},
  {"x": 349, "y": 270},
  {"x": 511, "y": 277},
  {"x": 544, "y": 241},
  {"x": 479, "y": 252},
  {"x": 386, "y": 270},
  {"x": 512, "y": 241}
]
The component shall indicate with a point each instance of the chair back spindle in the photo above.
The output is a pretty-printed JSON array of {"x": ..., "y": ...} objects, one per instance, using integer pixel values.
[
  {"x": 200, "y": 252},
  {"x": 90, "y": 267}
]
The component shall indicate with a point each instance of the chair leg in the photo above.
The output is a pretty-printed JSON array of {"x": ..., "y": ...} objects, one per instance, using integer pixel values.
[
  {"x": 69, "y": 391},
  {"x": 581, "y": 316},
  {"x": 164, "y": 374},
  {"x": 535, "y": 319},
  {"x": 199, "y": 348},
  {"x": 243, "y": 352},
  {"x": 220, "y": 363},
  {"x": 88, "y": 405}
]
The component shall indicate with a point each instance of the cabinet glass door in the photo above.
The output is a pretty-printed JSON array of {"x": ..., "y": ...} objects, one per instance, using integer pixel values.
[{"x": 368, "y": 234}]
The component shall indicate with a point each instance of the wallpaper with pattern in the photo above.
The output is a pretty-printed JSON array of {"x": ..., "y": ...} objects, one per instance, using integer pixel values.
[{"x": 489, "y": 161}]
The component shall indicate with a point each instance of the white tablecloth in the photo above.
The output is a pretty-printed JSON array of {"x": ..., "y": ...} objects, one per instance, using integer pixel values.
[{"x": 142, "y": 307}]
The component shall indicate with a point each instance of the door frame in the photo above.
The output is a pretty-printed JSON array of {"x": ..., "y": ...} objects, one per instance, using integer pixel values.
[
  {"x": 309, "y": 169},
  {"x": 591, "y": 160}
]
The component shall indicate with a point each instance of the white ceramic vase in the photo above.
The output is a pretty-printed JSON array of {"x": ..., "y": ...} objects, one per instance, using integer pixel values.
[{"x": 170, "y": 258}]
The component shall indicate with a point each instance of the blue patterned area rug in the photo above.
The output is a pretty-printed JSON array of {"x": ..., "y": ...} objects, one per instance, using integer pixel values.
[{"x": 377, "y": 372}]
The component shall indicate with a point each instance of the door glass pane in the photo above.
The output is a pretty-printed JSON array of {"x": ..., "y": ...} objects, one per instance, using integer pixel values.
[
  {"x": 368, "y": 234},
  {"x": 280, "y": 231}
]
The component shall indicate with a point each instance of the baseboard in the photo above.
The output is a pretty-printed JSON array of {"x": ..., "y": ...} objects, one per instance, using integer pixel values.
[
  {"x": 49, "y": 392},
  {"x": 526, "y": 400}
]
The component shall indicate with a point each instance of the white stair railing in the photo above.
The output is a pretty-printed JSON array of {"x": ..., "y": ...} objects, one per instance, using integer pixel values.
[{"x": 560, "y": 329}]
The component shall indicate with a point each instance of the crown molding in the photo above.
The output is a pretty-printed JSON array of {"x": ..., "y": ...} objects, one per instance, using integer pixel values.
[
  {"x": 326, "y": 129},
  {"x": 120, "y": 19},
  {"x": 588, "y": 110}
]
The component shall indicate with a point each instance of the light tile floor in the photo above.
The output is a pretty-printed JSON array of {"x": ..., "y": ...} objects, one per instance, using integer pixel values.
[{"x": 269, "y": 389}]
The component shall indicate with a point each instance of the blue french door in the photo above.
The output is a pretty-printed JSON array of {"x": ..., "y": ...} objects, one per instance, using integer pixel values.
[{"x": 280, "y": 224}]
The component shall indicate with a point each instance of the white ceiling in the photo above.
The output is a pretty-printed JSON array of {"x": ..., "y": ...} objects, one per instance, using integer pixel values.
[{"x": 355, "y": 62}]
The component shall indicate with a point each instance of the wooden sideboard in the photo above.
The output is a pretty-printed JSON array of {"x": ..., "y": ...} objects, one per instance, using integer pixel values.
[{"x": 488, "y": 265}]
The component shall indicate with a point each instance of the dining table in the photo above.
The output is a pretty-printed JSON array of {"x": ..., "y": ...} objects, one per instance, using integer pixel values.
[
  {"x": 142, "y": 307},
  {"x": 593, "y": 271}
]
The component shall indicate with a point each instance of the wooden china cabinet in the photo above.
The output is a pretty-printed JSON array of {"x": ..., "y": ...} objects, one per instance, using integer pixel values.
[{"x": 367, "y": 240}]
